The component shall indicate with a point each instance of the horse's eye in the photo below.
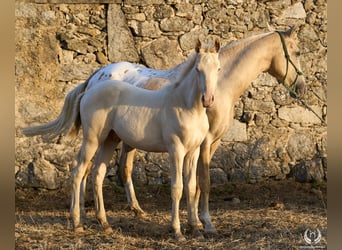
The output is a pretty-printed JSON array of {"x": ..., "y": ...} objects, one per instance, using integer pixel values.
[{"x": 297, "y": 53}]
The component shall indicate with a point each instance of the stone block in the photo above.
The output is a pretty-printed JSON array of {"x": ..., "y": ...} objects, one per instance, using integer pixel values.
[
  {"x": 236, "y": 132},
  {"x": 175, "y": 24},
  {"x": 162, "y": 54},
  {"x": 295, "y": 11},
  {"x": 300, "y": 114},
  {"x": 120, "y": 40}
]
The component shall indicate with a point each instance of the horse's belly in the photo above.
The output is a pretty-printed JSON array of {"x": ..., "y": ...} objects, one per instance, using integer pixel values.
[{"x": 140, "y": 130}]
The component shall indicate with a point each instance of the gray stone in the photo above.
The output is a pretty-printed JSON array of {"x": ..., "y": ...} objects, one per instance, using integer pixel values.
[
  {"x": 120, "y": 40},
  {"x": 188, "y": 40},
  {"x": 300, "y": 115},
  {"x": 236, "y": 132},
  {"x": 261, "y": 168},
  {"x": 218, "y": 176},
  {"x": 162, "y": 54},
  {"x": 259, "y": 105},
  {"x": 308, "y": 33},
  {"x": 143, "y": 2},
  {"x": 75, "y": 71},
  {"x": 295, "y": 11},
  {"x": 308, "y": 171},
  {"x": 300, "y": 146},
  {"x": 163, "y": 11},
  {"x": 39, "y": 174},
  {"x": 176, "y": 23},
  {"x": 145, "y": 29}
]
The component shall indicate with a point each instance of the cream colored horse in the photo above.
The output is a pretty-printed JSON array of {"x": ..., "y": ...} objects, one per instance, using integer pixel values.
[
  {"x": 241, "y": 62},
  {"x": 172, "y": 119}
]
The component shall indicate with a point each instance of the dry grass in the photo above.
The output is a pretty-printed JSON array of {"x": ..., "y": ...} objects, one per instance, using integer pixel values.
[{"x": 270, "y": 215}]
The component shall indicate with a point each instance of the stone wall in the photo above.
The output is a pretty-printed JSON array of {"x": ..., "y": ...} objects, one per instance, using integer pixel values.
[{"x": 59, "y": 43}]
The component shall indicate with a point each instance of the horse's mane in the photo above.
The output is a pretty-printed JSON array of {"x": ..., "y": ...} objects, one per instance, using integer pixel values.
[{"x": 242, "y": 43}]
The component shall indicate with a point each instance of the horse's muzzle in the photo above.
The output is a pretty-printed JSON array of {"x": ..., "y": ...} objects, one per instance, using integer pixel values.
[
  {"x": 207, "y": 100},
  {"x": 301, "y": 88}
]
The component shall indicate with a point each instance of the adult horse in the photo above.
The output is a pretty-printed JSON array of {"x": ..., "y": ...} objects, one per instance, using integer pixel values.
[
  {"x": 241, "y": 62},
  {"x": 172, "y": 119}
]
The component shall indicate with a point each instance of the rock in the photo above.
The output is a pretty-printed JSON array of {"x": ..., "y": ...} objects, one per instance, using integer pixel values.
[
  {"x": 295, "y": 11},
  {"x": 120, "y": 40},
  {"x": 308, "y": 33},
  {"x": 76, "y": 71},
  {"x": 299, "y": 114},
  {"x": 145, "y": 29},
  {"x": 259, "y": 105},
  {"x": 163, "y": 11},
  {"x": 162, "y": 54},
  {"x": 300, "y": 146},
  {"x": 260, "y": 169},
  {"x": 308, "y": 171},
  {"x": 218, "y": 176},
  {"x": 188, "y": 40},
  {"x": 174, "y": 24},
  {"x": 39, "y": 174},
  {"x": 236, "y": 132},
  {"x": 101, "y": 58},
  {"x": 144, "y": 2}
]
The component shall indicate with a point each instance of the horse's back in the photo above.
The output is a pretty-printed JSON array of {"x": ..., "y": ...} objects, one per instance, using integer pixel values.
[{"x": 132, "y": 73}]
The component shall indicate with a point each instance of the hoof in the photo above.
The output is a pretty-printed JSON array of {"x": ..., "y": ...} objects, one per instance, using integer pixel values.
[
  {"x": 79, "y": 229},
  {"x": 139, "y": 213},
  {"x": 108, "y": 229},
  {"x": 179, "y": 237},
  {"x": 198, "y": 235},
  {"x": 211, "y": 233}
]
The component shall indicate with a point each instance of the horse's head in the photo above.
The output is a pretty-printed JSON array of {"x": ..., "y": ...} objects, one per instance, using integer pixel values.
[
  {"x": 207, "y": 67},
  {"x": 285, "y": 64}
]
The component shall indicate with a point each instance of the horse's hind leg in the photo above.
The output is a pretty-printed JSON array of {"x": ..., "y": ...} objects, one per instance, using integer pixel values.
[
  {"x": 83, "y": 190},
  {"x": 126, "y": 169},
  {"x": 83, "y": 184},
  {"x": 87, "y": 151},
  {"x": 99, "y": 171}
]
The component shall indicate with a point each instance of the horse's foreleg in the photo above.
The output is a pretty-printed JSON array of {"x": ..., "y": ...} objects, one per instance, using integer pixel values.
[
  {"x": 207, "y": 152},
  {"x": 126, "y": 169},
  {"x": 98, "y": 174},
  {"x": 176, "y": 165},
  {"x": 190, "y": 165},
  {"x": 87, "y": 151}
]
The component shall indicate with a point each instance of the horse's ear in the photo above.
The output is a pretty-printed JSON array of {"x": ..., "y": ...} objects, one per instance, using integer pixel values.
[
  {"x": 198, "y": 45},
  {"x": 292, "y": 31},
  {"x": 217, "y": 44}
]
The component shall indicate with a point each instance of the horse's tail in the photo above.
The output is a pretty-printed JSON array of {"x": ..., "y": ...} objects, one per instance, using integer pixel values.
[{"x": 68, "y": 121}]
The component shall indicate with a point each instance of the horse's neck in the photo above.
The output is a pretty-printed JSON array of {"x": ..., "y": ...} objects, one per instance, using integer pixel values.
[
  {"x": 244, "y": 64},
  {"x": 187, "y": 90}
]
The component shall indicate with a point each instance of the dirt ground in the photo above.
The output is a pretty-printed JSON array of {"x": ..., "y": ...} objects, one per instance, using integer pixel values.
[{"x": 265, "y": 215}]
